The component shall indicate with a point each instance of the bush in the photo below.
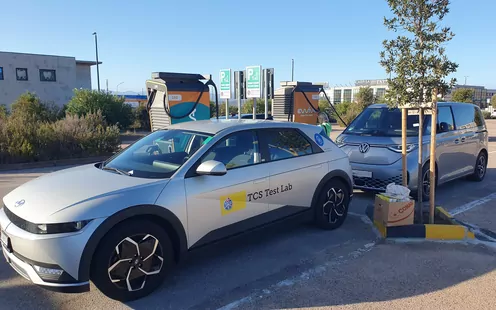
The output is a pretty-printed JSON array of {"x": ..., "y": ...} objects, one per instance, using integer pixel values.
[
  {"x": 4, "y": 112},
  {"x": 32, "y": 132},
  {"x": 29, "y": 106},
  {"x": 113, "y": 108},
  {"x": 486, "y": 114},
  {"x": 347, "y": 111}
]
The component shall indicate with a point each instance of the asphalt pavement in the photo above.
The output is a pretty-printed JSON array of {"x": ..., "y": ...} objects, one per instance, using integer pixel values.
[{"x": 299, "y": 266}]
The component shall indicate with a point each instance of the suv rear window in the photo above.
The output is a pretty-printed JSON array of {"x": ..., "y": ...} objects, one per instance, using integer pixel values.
[{"x": 285, "y": 143}]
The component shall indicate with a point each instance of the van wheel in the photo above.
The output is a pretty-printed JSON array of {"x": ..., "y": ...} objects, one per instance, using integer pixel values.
[
  {"x": 480, "y": 168},
  {"x": 426, "y": 184},
  {"x": 332, "y": 204},
  {"x": 132, "y": 260}
]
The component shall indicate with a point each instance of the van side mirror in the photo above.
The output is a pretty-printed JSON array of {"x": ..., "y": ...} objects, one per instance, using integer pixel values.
[
  {"x": 443, "y": 127},
  {"x": 211, "y": 167}
]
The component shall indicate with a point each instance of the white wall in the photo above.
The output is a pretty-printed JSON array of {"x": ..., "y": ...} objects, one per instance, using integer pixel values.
[
  {"x": 83, "y": 76},
  {"x": 58, "y": 92}
]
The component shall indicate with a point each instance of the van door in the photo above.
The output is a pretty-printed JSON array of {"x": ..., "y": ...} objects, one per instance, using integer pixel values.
[
  {"x": 448, "y": 146},
  {"x": 466, "y": 123}
]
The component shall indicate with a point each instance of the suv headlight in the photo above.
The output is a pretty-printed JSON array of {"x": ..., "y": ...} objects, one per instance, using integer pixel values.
[
  {"x": 59, "y": 228},
  {"x": 33, "y": 228},
  {"x": 397, "y": 147}
]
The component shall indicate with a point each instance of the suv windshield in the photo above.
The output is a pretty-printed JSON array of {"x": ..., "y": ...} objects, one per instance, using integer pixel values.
[
  {"x": 384, "y": 122},
  {"x": 157, "y": 155}
]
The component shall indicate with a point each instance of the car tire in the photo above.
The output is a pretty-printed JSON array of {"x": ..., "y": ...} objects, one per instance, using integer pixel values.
[
  {"x": 331, "y": 206},
  {"x": 480, "y": 168},
  {"x": 132, "y": 260},
  {"x": 426, "y": 184}
]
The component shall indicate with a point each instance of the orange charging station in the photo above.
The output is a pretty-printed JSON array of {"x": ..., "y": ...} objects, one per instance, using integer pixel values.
[{"x": 178, "y": 97}]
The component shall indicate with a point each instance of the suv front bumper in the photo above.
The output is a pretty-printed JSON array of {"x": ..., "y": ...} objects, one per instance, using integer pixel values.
[
  {"x": 28, "y": 272},
  {"x": 51, "y": 261}
]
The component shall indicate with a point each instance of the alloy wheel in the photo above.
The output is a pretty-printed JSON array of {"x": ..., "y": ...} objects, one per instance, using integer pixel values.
[
  {"x": 334, "y": 206},
  {"x": 133, "y": 260},
  {"x": 481, "y": 166}
]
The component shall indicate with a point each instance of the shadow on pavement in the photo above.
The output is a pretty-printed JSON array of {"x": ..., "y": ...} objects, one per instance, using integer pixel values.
[
  {"x": 389, "y": 272},
  {"x": 253, "y": 261}
]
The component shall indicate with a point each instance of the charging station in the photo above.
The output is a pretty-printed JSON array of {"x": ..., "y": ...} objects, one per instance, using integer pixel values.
[
  {"x": 297, "y": 102},
  {"x": 178, "y": 97}
]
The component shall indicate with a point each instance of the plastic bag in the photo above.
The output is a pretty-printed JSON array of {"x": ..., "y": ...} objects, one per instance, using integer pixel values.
[{"x": 398, "y": 192}]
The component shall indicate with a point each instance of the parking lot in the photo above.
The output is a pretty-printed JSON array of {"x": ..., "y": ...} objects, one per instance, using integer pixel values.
[{"x": 298, "y": 266}]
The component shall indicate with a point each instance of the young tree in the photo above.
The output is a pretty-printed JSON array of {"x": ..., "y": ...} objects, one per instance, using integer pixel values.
[
  {"x": 364, "y": 97},
  {"x": 417, "y": 64},
  {"x": 463, "y": 95},
  {"x": 493, "y": 101}
]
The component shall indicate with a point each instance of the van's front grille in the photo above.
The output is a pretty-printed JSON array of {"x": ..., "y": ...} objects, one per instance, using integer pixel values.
[{"x": 376, "y": 184}]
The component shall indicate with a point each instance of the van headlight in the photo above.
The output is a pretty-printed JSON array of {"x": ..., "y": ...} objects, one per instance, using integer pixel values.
[
  {"x": 59, "y": 228},
  {"x": 339, "y": 141},
  {"x": 397, "y": 147}
]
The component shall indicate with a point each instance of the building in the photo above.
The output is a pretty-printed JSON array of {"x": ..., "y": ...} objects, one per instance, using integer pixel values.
[
  {"x": 479, "y": 98},
  {"x": 347, "y": 93},
  {"x": 489, "y": 94},
  {"x": 52, "y": 78},
  {"x": 135, "y": 100}
]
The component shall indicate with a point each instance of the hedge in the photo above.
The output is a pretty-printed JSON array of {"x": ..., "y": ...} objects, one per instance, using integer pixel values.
[{"x": 34, "y": 132}]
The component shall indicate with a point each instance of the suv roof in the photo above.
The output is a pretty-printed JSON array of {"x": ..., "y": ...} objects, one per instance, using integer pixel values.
[{"x": 213, "y": 126}]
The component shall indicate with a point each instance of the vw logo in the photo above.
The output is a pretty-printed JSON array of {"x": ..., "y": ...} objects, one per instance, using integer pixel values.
[
  {"x": 364, "y": 147},
  {"x": 19, "y": 203}
]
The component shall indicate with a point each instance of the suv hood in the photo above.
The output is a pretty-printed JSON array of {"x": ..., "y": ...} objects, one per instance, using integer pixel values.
[
  {"x": 379, "y": 152},
  {"x": 78, "y": 194}
]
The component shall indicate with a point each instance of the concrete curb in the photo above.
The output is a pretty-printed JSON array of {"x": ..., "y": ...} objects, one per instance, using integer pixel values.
[
  {"x": 54, "y": 163},
  {"x": 450, "y": 231}
]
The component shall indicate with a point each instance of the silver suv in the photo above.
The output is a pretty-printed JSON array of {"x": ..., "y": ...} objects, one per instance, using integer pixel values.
[
  {"x": 373, "y": 143},
  {"x": 126, "y": 222}
]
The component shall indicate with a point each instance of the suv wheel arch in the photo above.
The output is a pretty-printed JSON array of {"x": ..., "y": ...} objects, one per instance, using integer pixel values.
[
  {"x": 335, "y": 174},
  {"x": 160, "y": 215}
]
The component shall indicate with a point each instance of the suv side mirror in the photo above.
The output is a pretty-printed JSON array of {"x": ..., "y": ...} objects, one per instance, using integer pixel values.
[
  {"x": 443, "y": 127},
  {"x": 211, "y": 167}
]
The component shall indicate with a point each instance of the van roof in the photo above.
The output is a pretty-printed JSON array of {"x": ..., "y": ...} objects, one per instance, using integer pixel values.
[{"x": 383, "y": 105}]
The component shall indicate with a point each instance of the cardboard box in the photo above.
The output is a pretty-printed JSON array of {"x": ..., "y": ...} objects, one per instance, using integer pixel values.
[{"x": 391, "y": 212}]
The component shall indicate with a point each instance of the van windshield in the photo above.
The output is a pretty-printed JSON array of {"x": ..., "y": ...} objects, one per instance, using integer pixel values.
[{"x": 384, "y": 122}]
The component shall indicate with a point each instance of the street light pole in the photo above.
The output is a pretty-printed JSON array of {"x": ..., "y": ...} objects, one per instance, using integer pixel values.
[
  {"x": 292, "y": 70},
  {"x": 117, "y": 90},
  {"x": 97, "y": 68}
]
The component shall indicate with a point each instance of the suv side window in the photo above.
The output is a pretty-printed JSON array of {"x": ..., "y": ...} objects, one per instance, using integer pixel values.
[
  {"x": 445, "y": 120},
  {"x": 237, "y": 150},
  {"x": 285, "y": 143},
  {"x": 465, "y": 116}
]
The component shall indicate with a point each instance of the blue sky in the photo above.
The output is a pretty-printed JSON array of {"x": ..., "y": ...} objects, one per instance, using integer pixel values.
[{"x": 334, "y": 41}]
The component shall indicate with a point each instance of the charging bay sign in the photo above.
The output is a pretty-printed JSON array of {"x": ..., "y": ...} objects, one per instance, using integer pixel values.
[
  {"x": 225, "y": 84},
  {"x": 253, "y": 81}
]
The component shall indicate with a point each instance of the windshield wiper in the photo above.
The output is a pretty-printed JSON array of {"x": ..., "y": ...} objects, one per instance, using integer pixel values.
[{"x": 117, "y": 170}]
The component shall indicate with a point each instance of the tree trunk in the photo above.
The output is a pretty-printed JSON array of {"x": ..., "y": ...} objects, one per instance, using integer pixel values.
[
  {"x": 420, "y": 183},
  {"x": 432, "y": 161},
  {"x": 404, "y": 114}
]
